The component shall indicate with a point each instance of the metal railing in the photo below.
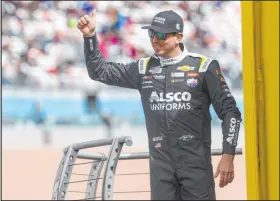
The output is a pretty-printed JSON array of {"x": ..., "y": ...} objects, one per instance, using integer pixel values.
[{"x": 71, "y": 153}]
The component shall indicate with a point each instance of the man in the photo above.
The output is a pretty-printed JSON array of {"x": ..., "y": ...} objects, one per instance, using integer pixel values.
[{"x": 177, "y": 88}]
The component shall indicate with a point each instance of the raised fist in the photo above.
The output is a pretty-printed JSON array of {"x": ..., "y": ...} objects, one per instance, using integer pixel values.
[{"x": 87, "y": 24}]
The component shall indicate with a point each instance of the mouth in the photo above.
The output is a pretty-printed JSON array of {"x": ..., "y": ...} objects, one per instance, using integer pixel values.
[{"x": 156, "y": 47}]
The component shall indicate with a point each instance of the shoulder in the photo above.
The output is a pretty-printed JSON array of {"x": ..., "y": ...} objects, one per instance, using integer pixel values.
[
  {"x": 142, "y": 64},
  {"x": 204, "y": 61}
]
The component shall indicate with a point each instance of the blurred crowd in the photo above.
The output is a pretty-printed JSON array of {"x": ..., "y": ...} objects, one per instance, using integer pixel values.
[{"x": 41, "y": 46}]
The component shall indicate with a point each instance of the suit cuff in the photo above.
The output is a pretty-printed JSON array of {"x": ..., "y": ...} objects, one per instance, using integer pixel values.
[
  {"x": 227, "y": 149},
  {"x": 91, "y": 43}
]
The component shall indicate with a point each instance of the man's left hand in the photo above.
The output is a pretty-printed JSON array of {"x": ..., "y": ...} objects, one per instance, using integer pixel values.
[{"x": 225, "y": 169}]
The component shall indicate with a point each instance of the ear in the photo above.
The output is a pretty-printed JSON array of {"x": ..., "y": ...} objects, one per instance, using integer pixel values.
[{"x": 179, "y": 38}]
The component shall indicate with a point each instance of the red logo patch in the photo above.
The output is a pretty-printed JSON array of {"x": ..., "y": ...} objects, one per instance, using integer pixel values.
[
  {"x": 147, "y": 77},
  {"x": 193, "y": 74}
]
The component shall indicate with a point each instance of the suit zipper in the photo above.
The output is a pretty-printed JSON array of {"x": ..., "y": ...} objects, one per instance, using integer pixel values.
[
  {"x": 165, "y": 91},
  {"x": 169, "y": 141}
]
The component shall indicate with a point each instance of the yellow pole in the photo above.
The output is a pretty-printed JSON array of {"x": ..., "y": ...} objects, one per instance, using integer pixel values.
[
  {"x": 270, "y": 61},
  {"x": 250, "y": 105},
  {"x": 260, "y": 41}
]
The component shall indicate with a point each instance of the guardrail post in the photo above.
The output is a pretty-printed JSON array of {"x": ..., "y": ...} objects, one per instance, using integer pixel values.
[
  {"x": 93, "y": 178},
  {"x": 110, "y": 170},
  {"x": 65, "y": 172},
  {"x": 58, "y": 175}
]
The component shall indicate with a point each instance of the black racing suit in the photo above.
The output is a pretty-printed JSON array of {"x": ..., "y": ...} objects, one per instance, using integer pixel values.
[{"x": 176, "y": 95}]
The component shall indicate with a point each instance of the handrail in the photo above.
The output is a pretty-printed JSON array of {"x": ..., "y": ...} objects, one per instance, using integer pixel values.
[{"x": 143, "y": 155}]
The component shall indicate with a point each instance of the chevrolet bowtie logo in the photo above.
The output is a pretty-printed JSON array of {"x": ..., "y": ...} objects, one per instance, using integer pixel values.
[{"x": 185, "y": 68}]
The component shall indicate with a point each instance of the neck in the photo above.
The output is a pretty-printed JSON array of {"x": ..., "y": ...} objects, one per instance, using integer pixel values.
[{"x": 175, "y": 53}]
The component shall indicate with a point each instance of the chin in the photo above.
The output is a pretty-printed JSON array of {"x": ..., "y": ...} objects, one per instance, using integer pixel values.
[{"x": 159, "y": 53}]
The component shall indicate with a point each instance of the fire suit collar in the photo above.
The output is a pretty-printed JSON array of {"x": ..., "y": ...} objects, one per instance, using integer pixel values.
[{"x": 171, "y": 61}]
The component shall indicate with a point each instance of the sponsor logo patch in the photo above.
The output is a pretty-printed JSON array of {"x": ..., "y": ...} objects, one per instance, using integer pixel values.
[
  {"x": 159, "y": 77},
  {"x": 148, "y": 77},
  {"x": 148, "y": 82},
  {"x": 193, "y": 74},
  {"x": 185, "y": 68},
  {"x": 155, "y": 70},
  {"x": 91, "y": 44},
  {"x": 177, "y": 74},
  {"x": 158, "y": 145},
  {"x": 222, "y": 79},
  {"x": 170, "y": 101},
  {"x": 186, "y": 137},
  {"x": 158, "y": 138},
  {"x": 177, "y": 80},
  {"x": 141, "y": 65},
  {"x": 204, "y": 64},
  {"x": 192, "y": 82},
  {"x": 233, "y": 131},
  {"x": 159, "y": 20},
  {"x": 147, "y": 86}
]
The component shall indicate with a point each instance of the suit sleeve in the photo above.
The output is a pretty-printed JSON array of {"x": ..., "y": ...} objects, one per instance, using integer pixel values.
[
  {"x": 224, "y": 105},
  {"x": 110, "y": 73}
]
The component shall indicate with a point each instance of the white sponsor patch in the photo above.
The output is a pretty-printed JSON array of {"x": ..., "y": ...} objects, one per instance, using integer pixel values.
[
  {"x": 159, "y": 77},
  {"x": 148, "y": 82},
  {"x": 177, "y": 74},
  {"x": 142, "y": 64},
  {"x": 147, "y": 86},
  {"x": 192, "y": 82},
  {"x": 155, "y": 70},
  {"x": 158, "y": 138},
  {"x": 205, "y": 62}
]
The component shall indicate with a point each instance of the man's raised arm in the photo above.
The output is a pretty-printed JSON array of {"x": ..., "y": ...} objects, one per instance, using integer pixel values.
[{"x": 111, "y": 73}]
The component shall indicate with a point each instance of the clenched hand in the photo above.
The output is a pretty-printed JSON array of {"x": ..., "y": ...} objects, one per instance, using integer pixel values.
[
  {"x": 87, "y": 24},
  {"x": 226, "y": 170}
]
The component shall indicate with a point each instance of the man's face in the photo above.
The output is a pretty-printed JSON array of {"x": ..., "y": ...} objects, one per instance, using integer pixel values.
[{"x": 166, "y": 44}]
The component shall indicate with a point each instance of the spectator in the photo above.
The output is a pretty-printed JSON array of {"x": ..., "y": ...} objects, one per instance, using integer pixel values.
[
  {"x": 42, "y": 47},
  {"x": 37, "y": 114},
  {"x": 39, "y": 118}
]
